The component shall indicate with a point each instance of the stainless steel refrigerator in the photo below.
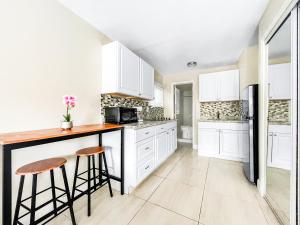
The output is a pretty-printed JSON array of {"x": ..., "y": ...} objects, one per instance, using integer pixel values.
[{"x": 250, "y": 120}]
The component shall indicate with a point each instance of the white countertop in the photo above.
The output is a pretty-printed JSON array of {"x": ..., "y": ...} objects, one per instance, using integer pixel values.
[{"x": 144, "y": 124}]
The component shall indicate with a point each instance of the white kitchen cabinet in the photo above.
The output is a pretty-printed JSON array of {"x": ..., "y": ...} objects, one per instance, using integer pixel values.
[
  {"x": 161, "y": 147},
  {"x": 172, "y": 140},
  {"x": 279, "y": 147},
  {"x": 123, "y": 72},
  {"x": 146, "y": 80},
  {"x": 208, "y": 142},
  {"x": 229, "y": 85},
  {"x": 158, "y": 100},
  {"x": 219, "y": 86},
  {"x": 280, "y": 81},
  {"x": 146, "y": 149},
  {"x": 222, "y": 140},
  {"x": 229, "y": 143},
  {"x": 208, "y": 88}
]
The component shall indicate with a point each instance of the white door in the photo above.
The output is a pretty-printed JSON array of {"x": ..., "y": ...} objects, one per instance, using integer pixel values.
[
  {"x": 280, "y": 81},
  {"x": 208, "y": 87},
  {"x": 129, "y": 72},
  {"x": 146, "y": 80},
  {"x": 229, "y": 144},
  {"x": 229, "y": 86},
  {"x": 161, "y": 147},
  {"x": 282, "y": 150},
  {"x": 208, "y": 142}
]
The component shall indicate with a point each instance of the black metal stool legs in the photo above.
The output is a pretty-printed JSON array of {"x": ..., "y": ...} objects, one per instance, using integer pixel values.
[
  {"x": 89, "y": 185},
  {"x": 107, "y": 175},
  {"x": 94, "y": 173},
  {"x": 70, "y": 203},
  {"x": 33, "y": 199},
  {"x": 18, "y": 205},
  {"x": 53, "y": 192},
  {"x": 100, "y": 168},
  {"x": 75, "y": 178}
]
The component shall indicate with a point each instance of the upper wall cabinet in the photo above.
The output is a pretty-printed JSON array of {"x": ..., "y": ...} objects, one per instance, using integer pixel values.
[
  {"x": 146, "y": 80},
  {"x": 123, "y": 72},
  {"x": 220, "y": 86},
  {"x": 280, "y": 81}
]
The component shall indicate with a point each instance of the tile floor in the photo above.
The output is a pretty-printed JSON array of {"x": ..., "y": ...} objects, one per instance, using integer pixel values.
[{"x": 185, "y": 190}]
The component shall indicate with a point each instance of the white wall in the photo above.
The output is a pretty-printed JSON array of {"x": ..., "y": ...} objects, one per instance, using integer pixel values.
[
  {"x": 46, "y": 52},
  {"x": 248, "y": 65}
]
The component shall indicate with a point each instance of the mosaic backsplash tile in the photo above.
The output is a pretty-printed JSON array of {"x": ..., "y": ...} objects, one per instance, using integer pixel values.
[
  {"x": 279, "y": 111},
  {"x": 231, "y": 110},
  {"x": 148, "y": 112}
]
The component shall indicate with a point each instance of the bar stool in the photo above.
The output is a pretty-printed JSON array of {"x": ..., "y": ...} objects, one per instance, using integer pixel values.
[
  {"x": 34, "y": 169},
  {"x": 90, "y": 154}
]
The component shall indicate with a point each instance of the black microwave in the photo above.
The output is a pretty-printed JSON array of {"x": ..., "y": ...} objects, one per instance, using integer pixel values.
[{"x": 120, "y": 115}]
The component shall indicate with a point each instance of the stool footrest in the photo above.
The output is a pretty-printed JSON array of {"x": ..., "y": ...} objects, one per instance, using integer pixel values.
[
  {"x": 44, "y": 204},
  {"x": 98, "y": 186}
]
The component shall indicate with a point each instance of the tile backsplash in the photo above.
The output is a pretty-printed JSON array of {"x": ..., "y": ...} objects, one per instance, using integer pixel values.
[
  {"x": 279, "y": 111},
  {"x": 148, "y": 112},
  {"x": 230, "y": 110}
]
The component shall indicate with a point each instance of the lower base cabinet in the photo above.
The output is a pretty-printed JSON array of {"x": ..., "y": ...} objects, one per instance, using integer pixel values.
[
  {"x": 145, "y": 150},
  {"x": 279, "y": 147},
  {"x": 208, "y": 141},
  {"x": 222, "y": 140}
]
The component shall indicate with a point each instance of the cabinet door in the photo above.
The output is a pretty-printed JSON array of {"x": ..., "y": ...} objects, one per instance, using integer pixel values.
[
  {"x": 174, "y": 139},
  {"x": 229, "y": 86},
  {"x": 270, "y": 148},
  {"x": 208, "y": 87},
  {"x": 282, "y": 150},
  {"x": 161, "y": 147},
  {"x": 208, "y": 142},
  {"x": 129, "y": 72},
  {"x": 146, "y": 80},
  {"x": 280, "y": 81},
  {"x": 229, "y": 144}
]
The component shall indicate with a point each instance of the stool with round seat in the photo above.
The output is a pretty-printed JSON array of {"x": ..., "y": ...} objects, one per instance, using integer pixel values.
[
  {"x": 97, "y": 180},
  {"x": 59, "y": 206}
]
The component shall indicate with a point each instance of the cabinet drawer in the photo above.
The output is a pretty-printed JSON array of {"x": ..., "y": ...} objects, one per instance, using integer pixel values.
[
  {"x": 161, "y": 128},
  {"x": 145, "y": 148},
  {"x": 145, "y": 169},
  {"x": 144, "y": 133}
]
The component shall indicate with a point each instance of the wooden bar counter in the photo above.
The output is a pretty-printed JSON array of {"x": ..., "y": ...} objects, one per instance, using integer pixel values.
[{"x": 12, "y": 141}]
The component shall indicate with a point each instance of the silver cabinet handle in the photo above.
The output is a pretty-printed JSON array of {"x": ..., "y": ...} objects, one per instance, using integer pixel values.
[
  {"x": 275, "y": 135},
  {"x": 147, "y": 148},
  {"x": 147, "y": 132},
  {"x": 147, "y": 167}
]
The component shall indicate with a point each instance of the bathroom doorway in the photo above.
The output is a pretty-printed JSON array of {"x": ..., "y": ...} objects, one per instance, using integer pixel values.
[{"x": 183, "y": 111}]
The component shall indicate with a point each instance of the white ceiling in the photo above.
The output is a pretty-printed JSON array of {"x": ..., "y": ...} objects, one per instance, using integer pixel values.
[{"x": 169, "y": 33}]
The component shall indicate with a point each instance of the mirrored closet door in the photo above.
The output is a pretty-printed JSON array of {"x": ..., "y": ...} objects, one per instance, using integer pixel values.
[{"x": 280, "y": 165}]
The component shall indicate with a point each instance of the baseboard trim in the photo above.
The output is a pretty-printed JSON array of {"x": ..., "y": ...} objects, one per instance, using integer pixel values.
[{"x": 185, "y": 140}]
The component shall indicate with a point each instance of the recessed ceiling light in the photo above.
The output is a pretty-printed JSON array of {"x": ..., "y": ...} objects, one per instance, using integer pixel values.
[{"x": 191, "y": 64}]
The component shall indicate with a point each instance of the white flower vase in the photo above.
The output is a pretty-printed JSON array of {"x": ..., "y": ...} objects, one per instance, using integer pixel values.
[{"x": 66, "y": 125}]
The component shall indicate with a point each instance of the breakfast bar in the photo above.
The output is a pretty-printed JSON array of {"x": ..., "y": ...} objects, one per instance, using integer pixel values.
[{"x": 13, "y": 141}]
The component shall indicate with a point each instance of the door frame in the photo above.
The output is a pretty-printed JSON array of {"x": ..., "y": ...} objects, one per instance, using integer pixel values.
[
  {"x": 173, "y": 85},
  {"x": 287, "y": 10}
]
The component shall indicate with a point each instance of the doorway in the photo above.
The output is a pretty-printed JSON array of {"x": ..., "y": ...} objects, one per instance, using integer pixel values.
[{"x": 183, "y": 111}]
